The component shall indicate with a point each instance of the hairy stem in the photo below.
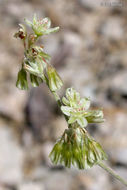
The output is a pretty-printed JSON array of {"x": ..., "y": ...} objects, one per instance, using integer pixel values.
[{"x": 113, "y": 173}]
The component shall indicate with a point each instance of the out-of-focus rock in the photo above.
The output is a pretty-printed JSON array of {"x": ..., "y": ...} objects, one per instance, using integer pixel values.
[
  {"x": 112, "y": 28},
  {"x": 54, "y": 181},
  {"x": 113, "y": 132},
  {"x": 39, "y": 112},
  {"x": 31, "y": 186},
  {"x": 12, "y": 103},
  {"x": 90, "y": 4},
  {"x": 11, "y": 158},
  {"x": 94, "y": 179},
  {"x": 123, "y": 173}
]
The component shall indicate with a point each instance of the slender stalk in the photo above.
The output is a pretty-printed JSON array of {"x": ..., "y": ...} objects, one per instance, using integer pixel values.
[
  {"x": 113, "y": 173},
  {"x": 57, "y": 97}
]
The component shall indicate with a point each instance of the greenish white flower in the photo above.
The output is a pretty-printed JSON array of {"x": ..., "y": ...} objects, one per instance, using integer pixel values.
[
  {"x": 41, "y": 26},
  {"x": 76, "y": 148},
  {"x": 77, "y": 109}
]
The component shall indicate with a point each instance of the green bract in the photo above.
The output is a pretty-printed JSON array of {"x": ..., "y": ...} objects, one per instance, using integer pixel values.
[
  {"x": 55, "y": 82},
  {"x": 35, "y": 81},
  {"x": 77, "y": 109},
  {"x": 22, "y": 80},
  {"x": 76, "y": 148},
  {"x": 41, "y": 26}
]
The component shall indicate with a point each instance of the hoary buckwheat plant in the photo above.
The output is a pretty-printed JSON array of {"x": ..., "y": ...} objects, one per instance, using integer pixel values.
[{"x": 75, "y": 147}]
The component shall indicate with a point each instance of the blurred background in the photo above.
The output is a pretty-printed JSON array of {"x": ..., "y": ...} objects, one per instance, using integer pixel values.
[{"x": 90, "y": 54}]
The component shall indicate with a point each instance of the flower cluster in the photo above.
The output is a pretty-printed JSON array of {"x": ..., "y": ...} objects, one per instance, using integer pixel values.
[
  {"x": 76, "y": 148},
  {"x": 77, "y": 109},
  {"x": 41, "y": 26},
  {"x": 35, "y": 63}
]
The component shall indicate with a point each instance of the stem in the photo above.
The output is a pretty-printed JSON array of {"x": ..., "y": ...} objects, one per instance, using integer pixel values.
[
  {"x": 113, "y": 173},
  {"x": 57, "y": 97}
]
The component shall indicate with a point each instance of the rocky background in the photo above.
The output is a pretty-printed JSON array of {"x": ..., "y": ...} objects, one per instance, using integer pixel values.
[{"x": 90, "y": 54}]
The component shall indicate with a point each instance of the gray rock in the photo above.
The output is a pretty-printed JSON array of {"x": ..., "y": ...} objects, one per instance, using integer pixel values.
[
  {"x": 112, "y": 28},
  {"x": 91, "y": 4},
  {"x": 11, "y": 158},
  {"x": 31, "y": 186}
]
